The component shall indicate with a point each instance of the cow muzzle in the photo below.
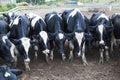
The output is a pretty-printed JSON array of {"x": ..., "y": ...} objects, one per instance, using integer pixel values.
[
  {"x": 102, "y": 42},
  {"x": 27, "y": 61},
  {"x": 46, "y": 51}
]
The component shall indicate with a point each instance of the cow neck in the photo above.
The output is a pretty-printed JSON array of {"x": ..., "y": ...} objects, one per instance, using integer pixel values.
[
  {"x": 57, "y": 27},
  {"x": 21, "y": 32}
]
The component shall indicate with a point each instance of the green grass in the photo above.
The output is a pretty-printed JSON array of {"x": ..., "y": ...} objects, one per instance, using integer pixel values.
[{"x": 6, "y": 7}]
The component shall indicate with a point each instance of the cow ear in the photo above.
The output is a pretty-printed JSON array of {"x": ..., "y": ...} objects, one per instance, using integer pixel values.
[
  {"x": 35, "y": 36},
  {"x": 20, "y": 21},
  {"x": 91, "y": 28},
  {"x": 5, "y": 14},
  {"x": 32, "y": 43},
  {"x": 88, "y": 36},
  {"x": 15, "y": 41},
  {"x": 109, "y": 29}
]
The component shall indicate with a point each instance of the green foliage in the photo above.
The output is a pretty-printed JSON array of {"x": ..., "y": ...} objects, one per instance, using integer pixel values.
[
  {"x": 6, "y": 7},
  {"x": 10, "y": 6}
]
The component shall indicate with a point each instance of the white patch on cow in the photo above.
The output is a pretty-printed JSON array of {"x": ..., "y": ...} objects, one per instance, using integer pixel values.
[
  {"x": 103, "y": 16},
  {"x": 117, "y": 13},
  {"x": 73, "y": 13},
  {"x": 12, "y": 48},
  {"x": 16, "y": 21},
  {"x": 60, "y": 35},
  {"x": 10, "y": 14},
  {"x": 7, "y": 74},
  {"x": 26, "y": 44},
  {"x": 46, "y": 51},
  {"x": 79, "y": 37},
  {"x": 100, "y": 28},
  {"x": 59, "y": 16},
  {"x": 4, "y": 38},
  {"x": 51, "y": 16},
  {"x": 27, "y": 60},
  {"x": 44, "y": 36},
  {"x": 31, "y": 15},
  {"x": 34, "y": 21}
]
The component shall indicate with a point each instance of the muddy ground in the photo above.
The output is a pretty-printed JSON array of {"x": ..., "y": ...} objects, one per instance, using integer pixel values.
[{"x": 59, "y": 70}]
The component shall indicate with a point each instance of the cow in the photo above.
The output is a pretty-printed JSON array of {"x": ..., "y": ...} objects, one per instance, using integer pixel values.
[
  {"x": 39, "y": 34},
  {"x": 56, "y": 35},
  {"x": 8, "y": 50},
  {"x": 18, "y": 34},
  {"x": 101, "y": 30},
  {"x": 75, "y": 28},
  {"x": 9, "y": 16},
  {"x": 8, "y": 73},
  {"x": 4, "y": 27},
  {"x": 115, "y": 19}
]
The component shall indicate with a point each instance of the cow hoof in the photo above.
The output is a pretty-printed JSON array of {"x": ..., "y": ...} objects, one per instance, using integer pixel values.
[
  {"x": 27, "y": 69},
  {"x": 46, "y": 58},
  {"x": 101, "y": 62},
  {"x": 85, "y": 64},
  {"x": 63, "y": 57}
]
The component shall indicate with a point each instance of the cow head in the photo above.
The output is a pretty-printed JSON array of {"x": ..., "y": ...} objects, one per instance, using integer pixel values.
[
  {"x": 102, "y": 33},
  {"x": 42, "y": 40},
  {"x": 15, "y": 22},
  {"x": 60, "y": 40},
  {"x": 10, "y": 16},
  {"x": 24, "y": 45},
  {"x": 79, "y": 42},
  {"x": 6, "y": 49}
]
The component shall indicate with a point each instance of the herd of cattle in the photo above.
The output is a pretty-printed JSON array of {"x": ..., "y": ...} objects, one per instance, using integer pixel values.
[{"x": 20, "y": 33}]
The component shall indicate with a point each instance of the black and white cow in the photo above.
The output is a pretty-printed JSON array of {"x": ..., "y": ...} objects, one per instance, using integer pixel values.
[
  {"x": 75, "y": 27},
  {"x": 8, "y": 50},
  {"x": 7, "y": 73},
  {"x": 9, "y": 16},
  {"x": 56, "y": 35},
  {"x": 115, "y": 19},
  {"x": 4, "y": 28},
  {"x": 18, "y": 34},
  {"x": 38, "y": 33},
  {"x": 101, "y": 30}
]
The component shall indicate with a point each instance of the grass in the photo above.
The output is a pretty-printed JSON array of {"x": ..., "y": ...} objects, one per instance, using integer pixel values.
[{"x": 6, "y": 7}]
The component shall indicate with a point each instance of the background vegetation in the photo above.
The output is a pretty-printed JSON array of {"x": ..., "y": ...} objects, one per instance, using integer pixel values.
[{"x": 6, "y": 7}]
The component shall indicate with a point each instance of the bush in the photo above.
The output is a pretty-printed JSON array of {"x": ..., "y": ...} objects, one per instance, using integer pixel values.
[{"x": 6, "y": 7}]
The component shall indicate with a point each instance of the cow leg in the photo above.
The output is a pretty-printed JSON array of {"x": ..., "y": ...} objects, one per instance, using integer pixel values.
[
  {"x": 47, "y": 57},
  {"x": 107, "y": 53},
  {"x": 84, "y": 59},
  {"x": 51, "y": 54},
  {"x": 52, "y": 50},
  {"x": 36, "y": 55},
  {"x": 16, "y": 55},
  {"x": 83, "y": 56},
  {"x": 101, "y": 56},
  {"x": 36, "y": 49},
  {"x": 71, "y": 47}
]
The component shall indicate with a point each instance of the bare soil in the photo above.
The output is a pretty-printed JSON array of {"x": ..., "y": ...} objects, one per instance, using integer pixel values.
[{"x": 59, "y": 70}]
